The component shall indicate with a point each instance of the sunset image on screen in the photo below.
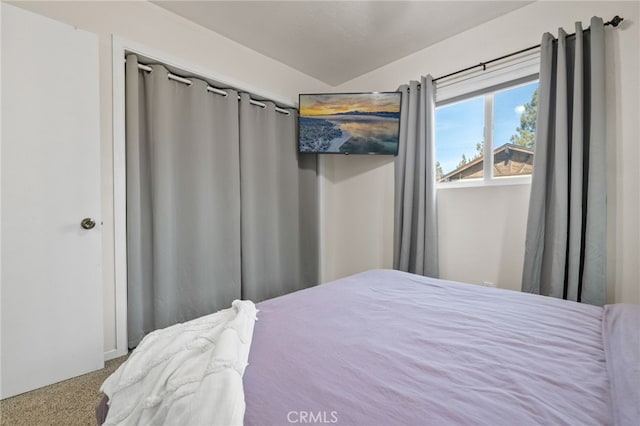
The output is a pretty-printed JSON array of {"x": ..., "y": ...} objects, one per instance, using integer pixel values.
[
  {"x": 328, "y": 104},
  {"x": 362, "y": 123}
]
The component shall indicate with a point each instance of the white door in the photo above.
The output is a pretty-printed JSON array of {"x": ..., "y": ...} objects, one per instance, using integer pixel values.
[{"x": 52, "y": 326}]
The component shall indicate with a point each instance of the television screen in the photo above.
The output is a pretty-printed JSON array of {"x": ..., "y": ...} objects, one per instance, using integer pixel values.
[{"x": 349, "y": 123}]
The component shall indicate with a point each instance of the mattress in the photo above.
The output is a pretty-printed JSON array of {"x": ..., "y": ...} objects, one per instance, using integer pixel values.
[
  {"x": 390, "y": 348},
  {"x": 385, "y": 347}
]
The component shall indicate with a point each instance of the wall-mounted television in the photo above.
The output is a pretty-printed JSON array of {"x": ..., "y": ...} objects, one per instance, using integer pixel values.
[{"x": 349, "y": 123}]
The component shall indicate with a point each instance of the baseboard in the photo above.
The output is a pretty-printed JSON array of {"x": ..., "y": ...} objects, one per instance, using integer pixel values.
[{"x": 114, "y": 353}]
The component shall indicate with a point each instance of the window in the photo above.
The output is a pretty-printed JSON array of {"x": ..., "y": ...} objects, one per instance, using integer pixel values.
[{"x": 499, "y": 125}]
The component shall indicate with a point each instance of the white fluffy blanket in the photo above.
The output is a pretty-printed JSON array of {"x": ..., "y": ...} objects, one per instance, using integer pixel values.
[{"x": 186, "y": 374}]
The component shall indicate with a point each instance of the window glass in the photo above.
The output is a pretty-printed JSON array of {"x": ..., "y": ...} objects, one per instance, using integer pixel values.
[
  {"x": 514, "y": 126},
  {"x": 460, "y": 135},
  {"x": 459, "y": 140}
]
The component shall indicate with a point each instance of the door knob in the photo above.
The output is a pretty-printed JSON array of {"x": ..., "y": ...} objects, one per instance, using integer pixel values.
[{"x": 87, "y": 223}]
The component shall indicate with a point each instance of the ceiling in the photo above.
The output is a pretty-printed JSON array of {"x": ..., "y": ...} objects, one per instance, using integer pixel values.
[{"x": 336, "y": 41}]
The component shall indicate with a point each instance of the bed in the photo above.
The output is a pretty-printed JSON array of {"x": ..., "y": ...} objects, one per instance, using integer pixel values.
[{"x": 385, "y": 347}]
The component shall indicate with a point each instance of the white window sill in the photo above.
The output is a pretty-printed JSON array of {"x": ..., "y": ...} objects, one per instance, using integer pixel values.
[{"x": 474, "y": 183}]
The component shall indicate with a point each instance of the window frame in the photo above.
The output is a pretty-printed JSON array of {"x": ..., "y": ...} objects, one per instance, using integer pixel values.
[{"x": 486, "y": 85}]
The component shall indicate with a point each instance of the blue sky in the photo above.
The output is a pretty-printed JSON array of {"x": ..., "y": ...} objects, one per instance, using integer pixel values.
[{"x": 459, "y": 127}]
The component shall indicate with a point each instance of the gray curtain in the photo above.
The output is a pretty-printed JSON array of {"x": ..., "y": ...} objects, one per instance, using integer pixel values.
[
  {"x": 279, "y": 204},
  {"x": 183, "y": 200},
  {"x": 415, "y": 247},
  {"x": 219, "y": 204},
  {"x": 565, "y": 251}
]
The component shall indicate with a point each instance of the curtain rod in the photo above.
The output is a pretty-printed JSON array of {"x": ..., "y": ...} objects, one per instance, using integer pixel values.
[
  {"x": 614, "y": 22},
  {"x": 212, "y": 89}
]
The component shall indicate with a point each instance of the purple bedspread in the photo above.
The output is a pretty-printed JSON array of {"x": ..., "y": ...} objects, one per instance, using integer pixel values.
[
  {"x": 621, "y": 336},
  {"x": 389, "y": 348}
]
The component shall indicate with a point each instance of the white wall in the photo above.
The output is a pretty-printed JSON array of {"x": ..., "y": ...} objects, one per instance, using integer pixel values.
[
  {"x": 163, "y": 31},
  {"x": 484, "y": 243},
  {"x": 358, "y": 215},
  {"x": 469, "y": 251}
]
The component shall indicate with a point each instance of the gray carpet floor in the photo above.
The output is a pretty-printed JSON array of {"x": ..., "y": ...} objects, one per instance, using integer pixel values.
[{"x": 67, "y": 403}]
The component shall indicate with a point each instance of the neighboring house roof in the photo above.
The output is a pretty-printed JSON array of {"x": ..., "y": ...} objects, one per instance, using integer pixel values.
[{"x": 509, "y": 160}]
